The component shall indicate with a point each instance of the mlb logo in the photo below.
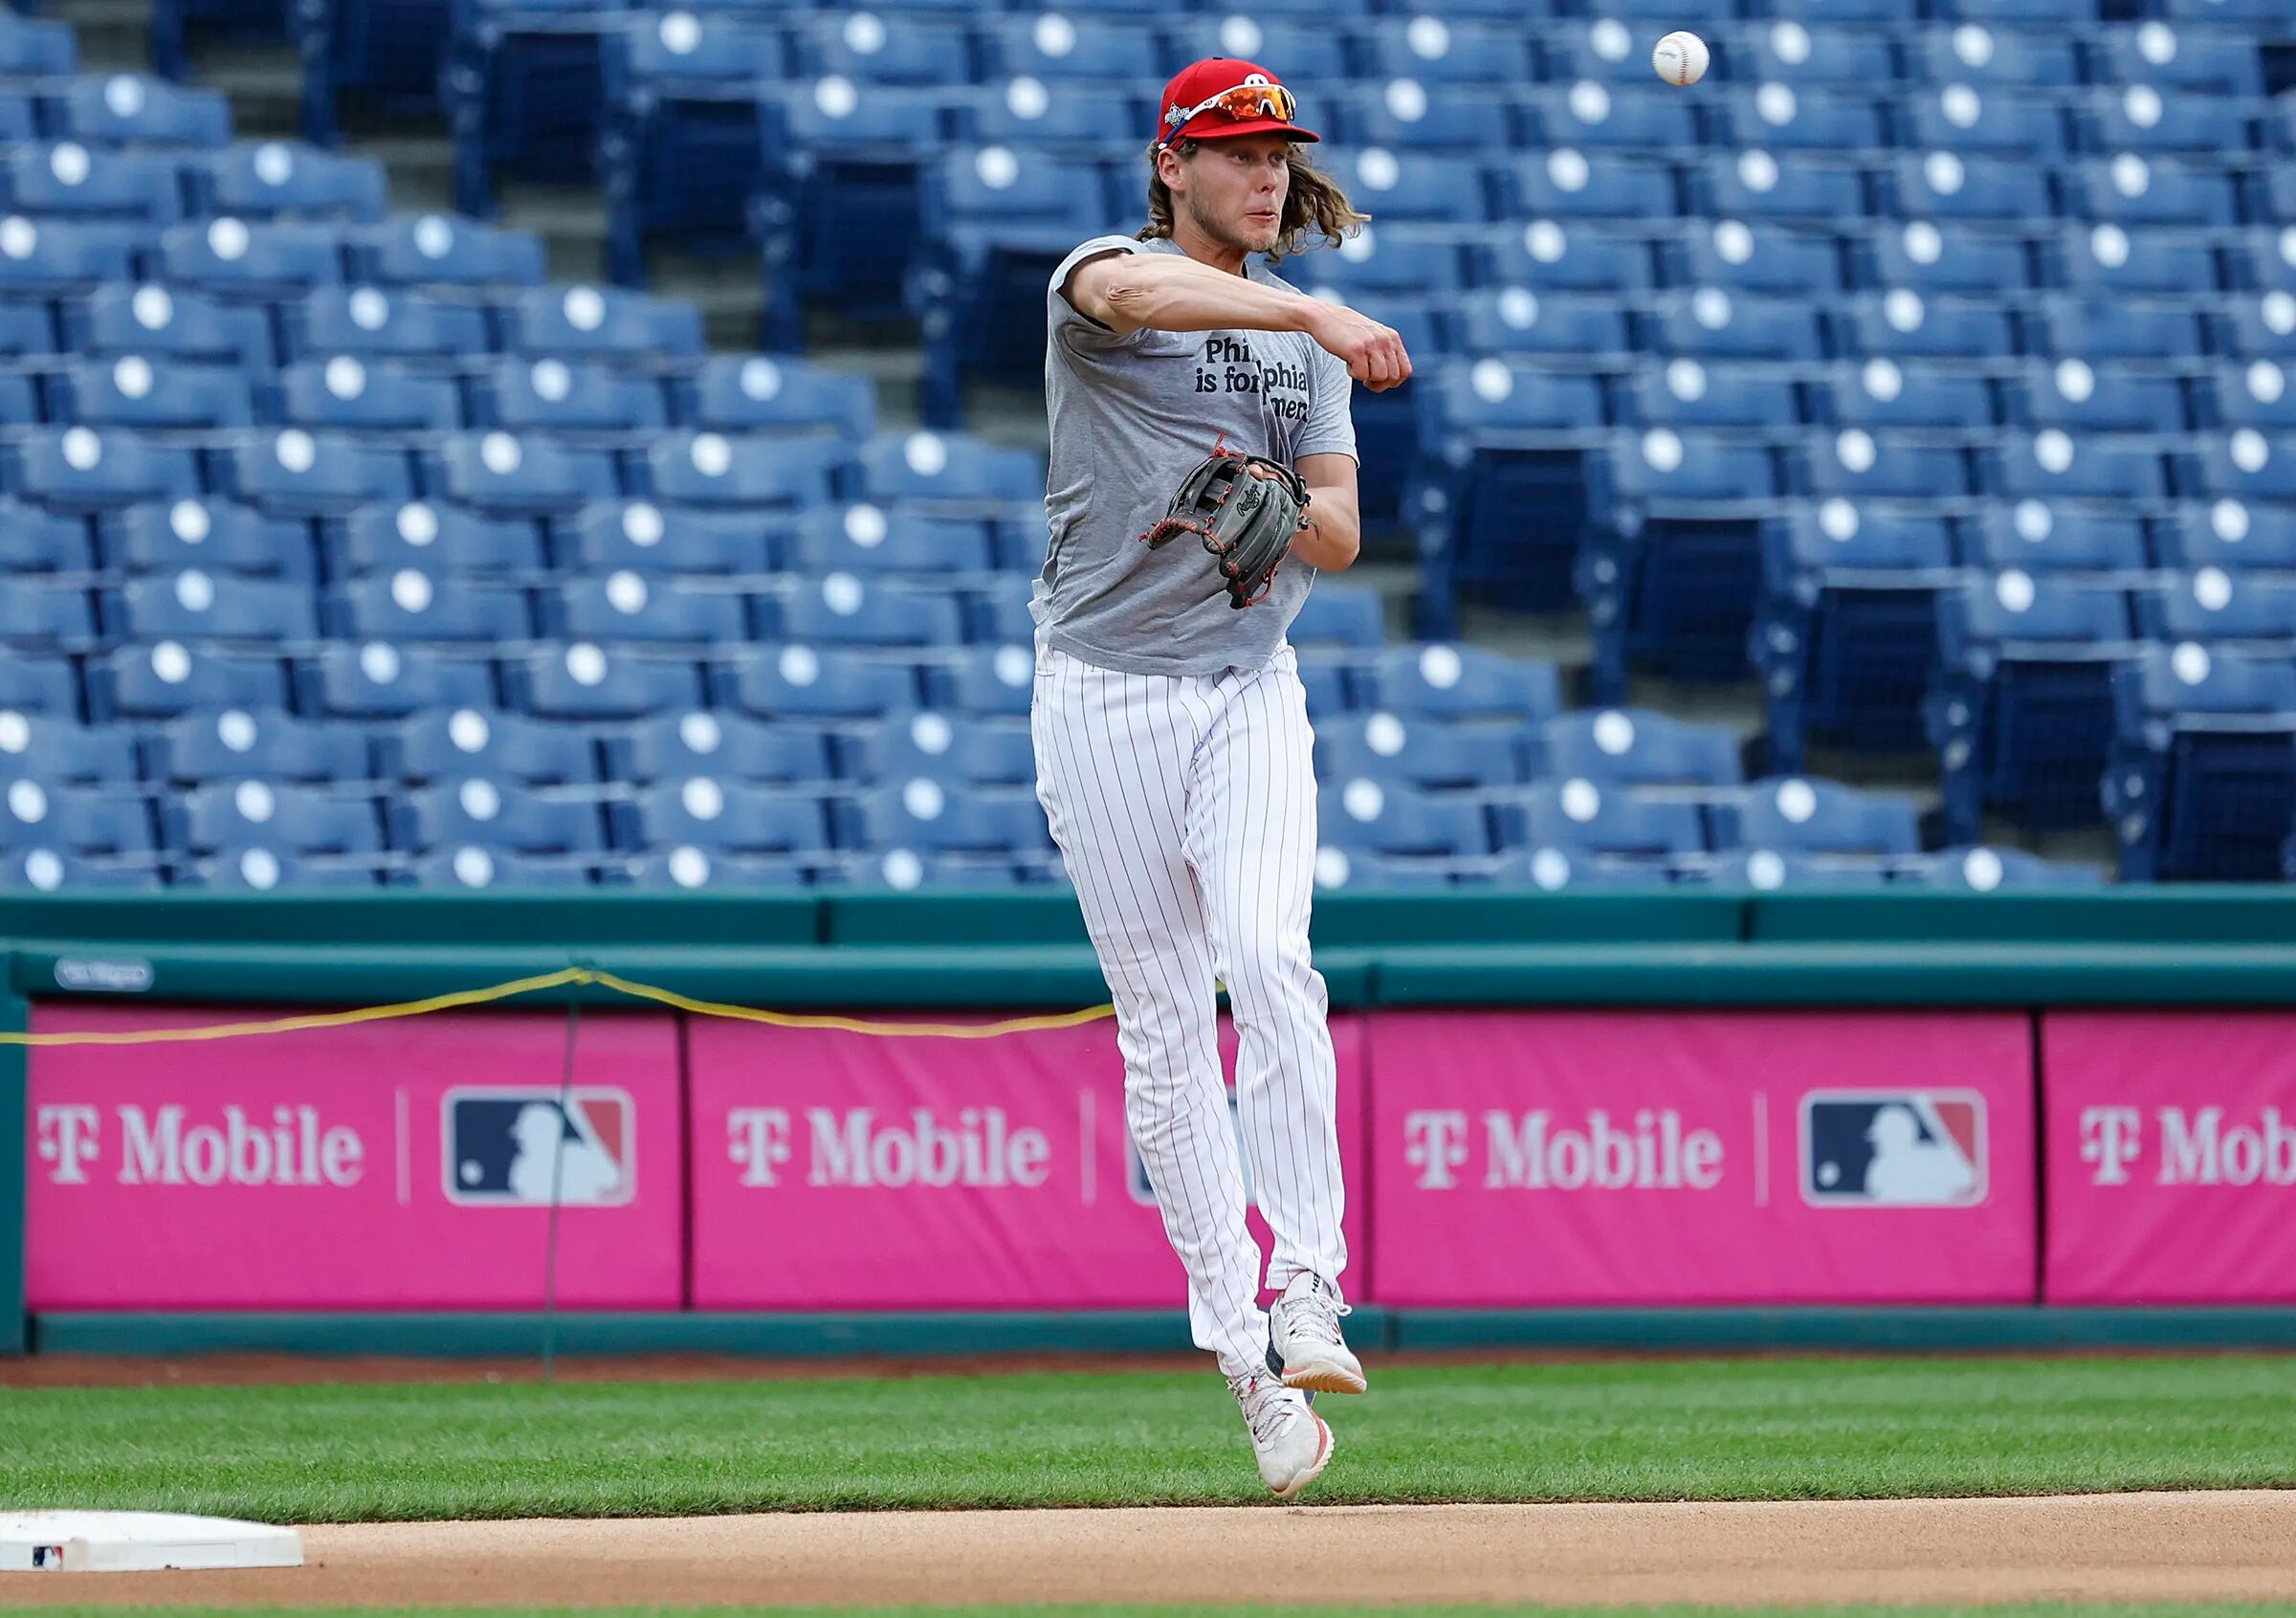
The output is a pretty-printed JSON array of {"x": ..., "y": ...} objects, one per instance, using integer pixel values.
[
  {"x": 1136, "y": 1171},
  {"x": 1893, "y": 1148},
  {"x": 507, "y": 1145}
]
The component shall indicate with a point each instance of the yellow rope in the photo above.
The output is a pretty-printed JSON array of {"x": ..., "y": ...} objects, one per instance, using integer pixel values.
[{"x": 565, "y": 975}]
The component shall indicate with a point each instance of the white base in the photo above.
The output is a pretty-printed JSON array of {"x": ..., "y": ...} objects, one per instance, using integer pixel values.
[{"x": 139, "y": 1542}]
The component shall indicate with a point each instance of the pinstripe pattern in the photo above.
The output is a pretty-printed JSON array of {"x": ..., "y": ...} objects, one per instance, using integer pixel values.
[{"x": 1185, "y": 807}]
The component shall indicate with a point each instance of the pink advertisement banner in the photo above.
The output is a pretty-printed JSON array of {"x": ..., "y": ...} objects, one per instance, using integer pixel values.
[
  {"x": 1592, "y": 1158},
  {"x": 834, "y": 1170},
  {"x": 389, "y": 1165},
  {"x": 2172, "y": 1157}
]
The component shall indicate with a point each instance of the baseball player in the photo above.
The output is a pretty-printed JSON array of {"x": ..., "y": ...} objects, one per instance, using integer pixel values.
[{"x": 1203, "y": 472}]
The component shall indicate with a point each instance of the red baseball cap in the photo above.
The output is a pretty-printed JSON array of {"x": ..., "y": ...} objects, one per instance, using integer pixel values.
[{"x": 1224, "y": 95}]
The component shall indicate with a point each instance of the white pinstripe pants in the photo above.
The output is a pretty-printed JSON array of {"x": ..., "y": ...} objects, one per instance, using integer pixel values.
[{"x": 1185, "y": 807}]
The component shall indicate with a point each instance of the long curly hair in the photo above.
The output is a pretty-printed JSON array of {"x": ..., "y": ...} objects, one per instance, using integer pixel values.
[{"x": 1315, "y": 207}]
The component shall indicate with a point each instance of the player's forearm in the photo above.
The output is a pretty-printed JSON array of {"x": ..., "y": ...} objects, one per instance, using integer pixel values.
[
  {"x": 1172, "y": 293},
  {"x": 1333, "y": 536}
]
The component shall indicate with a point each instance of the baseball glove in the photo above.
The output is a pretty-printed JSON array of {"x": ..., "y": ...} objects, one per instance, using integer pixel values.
[{"x": 1246, "y": 521}]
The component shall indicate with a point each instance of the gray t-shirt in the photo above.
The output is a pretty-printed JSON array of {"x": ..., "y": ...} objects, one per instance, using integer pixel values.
[{"x": 1130, "y": 414}]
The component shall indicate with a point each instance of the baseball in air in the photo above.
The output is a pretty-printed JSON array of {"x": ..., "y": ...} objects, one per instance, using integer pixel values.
[{"x": 1680, "y": 58}]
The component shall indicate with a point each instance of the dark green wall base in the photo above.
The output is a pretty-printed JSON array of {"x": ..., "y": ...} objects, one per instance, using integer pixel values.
[{"x": 928, "y": 1335}]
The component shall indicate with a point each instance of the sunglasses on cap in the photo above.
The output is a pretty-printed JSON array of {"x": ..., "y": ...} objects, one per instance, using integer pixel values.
[{"x": 1244, "y": 101}]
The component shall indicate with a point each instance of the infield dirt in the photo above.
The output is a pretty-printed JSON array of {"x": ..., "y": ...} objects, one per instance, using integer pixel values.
[{"x": 2166, "y": 1546}]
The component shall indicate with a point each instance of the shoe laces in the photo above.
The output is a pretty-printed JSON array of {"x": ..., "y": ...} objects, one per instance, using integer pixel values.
[
  {"x": 1315, "y": 1312},
  {"x": 1268, "y": 1405}
]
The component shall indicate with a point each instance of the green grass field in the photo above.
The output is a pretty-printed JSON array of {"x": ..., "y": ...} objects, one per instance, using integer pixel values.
[{"x": 1723, "y": 1429}]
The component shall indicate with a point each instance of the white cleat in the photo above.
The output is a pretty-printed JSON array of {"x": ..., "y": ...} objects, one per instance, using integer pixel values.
[
  {"x": 1292, "y": 1442},
  {"x": 1304, "y": 1344}
]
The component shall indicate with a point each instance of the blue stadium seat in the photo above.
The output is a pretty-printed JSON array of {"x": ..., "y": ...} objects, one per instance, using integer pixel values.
[
  {"x": 1422, "y": 753},
  {"x": 482, "y": 814},
  {"x": 688, "y": 868},
  {"x": 2081, "y": 398},
  {"x": 585, "y": 681},
  {"x": 2223, "y": 611},
  {"x": 1548, "y": 254},
  {"x": 1383, "y": 258},
  {"x": 1988, "y": 870},
  {"x": 937, "y": 747},
  {"x": 260, "y": 262},
  {"x": 2249, "y": 465},
  {"x": 194, "y": 604},
  {"x": 31, "y": 49},
  {"x": 1880, "y": 393},
  {"x": 2255, "y": 395},
  {"x": 170, "y": 679},
  {"x": 1602, "y": 51},
  {"x": 1711, "y": 323},
  {"x": 211, "y": 535},
  {"x": 2052, "y": 465},
  {"x": 282, "y": 817},
  {"x": 1846, "y": 634},
  {"x": 1793, "y": 815},
  {"x": 442, "y": 250},
  {"x": 133, "y": 110},
  {"x": 1553, "y": 871},
  {"x": 758, "y": 470},
  {"x": 151, "y": 320},
  {"x": 45, "y": 616},
  {"x": 933, "y": 467},
  {"x": 2021, "y": 712},
  {"x": 1437, "y": 52},
  {"x": 1362, "y": 870},
  {"x": 1962, "y": 118},
  {"x": 1761, "y": 257},
  {"x": 135, "y": 392},
  {"x": 1578, "y": 817},
  {"x": 934, "y": 818},
  {"x": 2116, "y": 329},
  {"x": 1410, "y": 186},
  {"x": 474, "y": 866},
  {"x": 1944, "y": 184},
  {"x": 378, "y": 681},
  {"x": 441, "y": 745},
  {"x": 1924, "y": 257},
  {"x": 1516, "y": 320},
  {"x": 860, "y": 46},
  {"x": 1568, "y": 184},
  {"x": 1442, "y": 681},
  {"x": 1796, "y": 55},
  {"x": 716, "y": 815},
  {"x": 295, "y": 472},
  {"x": 1768, "y": 870},
  {"x": 1054, "y": 46},
  {"x": 998, "y": 679},
  {"x": 371, "y": 322},
  {"x": 237, "y": 743},
  {"x": 510, "y": 473},
  {"x": 804, "y": 682},
  {"x": 382, "y": 397},
  {"x": 640, "y": 536},
  {"x": 1799, "y": 186},
  {"x": 1975, "y": 54},
  {"x": 26, "y": 328},
  {"x": 844, "y": 611},
  {"x": 47, "y": 747},
  {"x": 1390, "y": 818},
  {"x": 1782, "y": 118},
  {"x": 263, "y": 870},
  {"x": 1636, "y": 748},
  {"x": 2233, "y": 535},
  {"x": 33, "y": 540},
  {"x": 44, "y": 870},
  {"x": 902, "y": 869},
  {"x": 1400, "y": 114},
  {"x": 870, "y": 538},
  {"x": 1336, "y": 615},
  {"x": 410, "y": 605},
  {"x": 35, "y": 685},
  {"x": 551, "y": 395},
  {"x": 2040, "y": 538},
  {"x": 63, "y": 257},
  {"x": 76, "y": 820},
  {"x": 606, "y": 322},
  {"x": 2202, "y": 782},
  {"x": 2155, "y": 53},
  {"x": 1635, "y": 117},
  {"x": 440, "y": 539},
  {"x": 1859, "y": 465},
  {"x": 2150, "y": 191},
  {"x": 2252, "y": 325},
  {"x": 626, "y": 606},
  {"x": 277, "y": 181},
  {"x": 2138, "y": 117},
  {"x": 758, "y": 392},
  {"x": 79, "y": 469},
  {"x": 722, "y": 745},
  {"x": 2104, "y": 260},
  {"x": 67, "y": 181}
]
